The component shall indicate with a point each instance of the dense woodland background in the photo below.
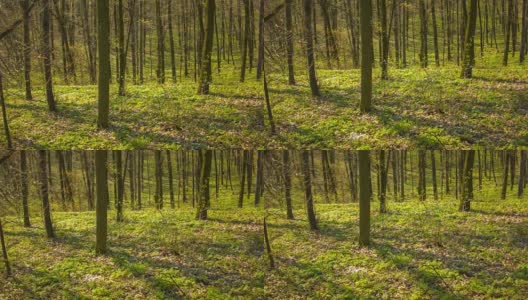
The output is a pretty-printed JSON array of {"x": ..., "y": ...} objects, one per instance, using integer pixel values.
[
  {"x": 242, "y": 75},
  {"x": 262, "y": 224},
  {"x": 417, "y": 32},
  {"x": 307, "y": 48},
  {"x": 171, "y": 179}
]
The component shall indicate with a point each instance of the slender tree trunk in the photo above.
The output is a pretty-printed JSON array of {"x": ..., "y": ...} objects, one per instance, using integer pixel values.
[
  {"x": 260, "y": 59},
  {"x": 421, "y": 178},
  {"x": 508, "y": 26},
  {"x": 365, "y": 195},
  {"x": 170, "y": 178},
  {"x": 433, "y": 171},
  {"x": 308, "y": 190},
  {"x": 122, "y": 50},
  {"x": 384, "y": 41},
  {"x": 366, "y": 55},
  {"x": 245, "y": 40},
  {"x": 287, "y": 183},
  {"x": 24, "y": 187},
  {"x": 158, "y": 196},
  {"x": 268, "y": 245},
  {"x": 423, "y": 34},
  {"x": 243, "y": 169},
  {"x": 506, "y": 163},
  {"x": 27, "y": 47},
  {"x": 103, "y": 44},
  {"x": 467, "y": 181},
  {"x": 289, "y": 41},
  {"x": 161, "y": 44},
  {"x": 308, "y": 39},
  {"x": 118, "y": 155},
  {"x": 383, "y": 181},
  {"x": 260, "y": 177},
  {"x": 46, "y": 52},
  {"x": 206, "y": 70},
  {"x": 5, "y": 122},
  {"x": 4, "y": 251},
  {"x": 44, "y": 193},
  {"x": 469, "y": 44},
  {"x": 205, "y": 174},
  {"x": 522, "y": 174},
  {"x": 524, "y": 32},
  {"x": 435, "y": 34},
  {"x": 101, "y": 178},
  {"x": 171, "y": 40}
]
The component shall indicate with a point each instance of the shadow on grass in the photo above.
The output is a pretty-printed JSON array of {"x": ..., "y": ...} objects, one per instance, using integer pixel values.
[{"x": 429, "y": 281}]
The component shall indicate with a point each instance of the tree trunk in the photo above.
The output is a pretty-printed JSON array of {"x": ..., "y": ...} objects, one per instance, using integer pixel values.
[
  {"x": 289, "y": 41},
  {"x": 384, "y": 41},
  {"x": 103, "y": 45},
  {"x": 245, "y": 40},
  {"x": 170, "y": 178},
  {"x": 435, "y": 34},
  {"x": 366, "y": 55},
  {"x": 158, "y": 195},
  {"x": 4, "y": 251},
  {"x": 421, "y": 178},
  {"x": 433, "y": 171},
  {"x": 308, "y": 39},
  {"x": 506, "y": 164},
  {"x": 524, "y": 32},
  {"x": 508, "y": 26},
  {"x": 4, "y": 115},
  {"x": 171, "y": 41},
  {"x": 365, "y": 195},
  {"x": 287, "y": 183},
  {"x": 260, "y": 59},
  {"x": 467, "y": 181},
  {"x": 24, "y": 187},
  {"x": 101, "y": 178},
  {"x": 46, "y": 52},
  {"x": 308, "y": 190},
  {"x": 118, "y": 155},
  {"x": 423, "y": 34},
  {"x": 161, "y": 44},
  {"x": 206, "y": 70},
  {"x": 383, "y": 181},
  {"x": 44, "y": 193},
  {"x": 122, "y": 50},
  {"x": 27, "y": 47},
  {"x": 205, "y": 174},
  {"x": 268, "y": 245},
  {"x": 243, "y": 170},
  {"x": 469, "y": 43}
]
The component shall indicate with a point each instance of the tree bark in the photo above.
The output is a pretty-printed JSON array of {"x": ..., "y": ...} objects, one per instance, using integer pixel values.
[
  {"x": 103, "y": 46},
  {"x": 101, "y": 178},
  {"x": 365, "y": 195},
  {"x": 308, "y": 190},
  {"x": 44, "y": 193},
  {"x": 366, "y": 55}
]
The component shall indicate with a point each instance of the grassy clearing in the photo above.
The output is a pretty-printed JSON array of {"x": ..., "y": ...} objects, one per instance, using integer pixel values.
[
  {"x": 429, "y": 108},
  {"x": 419, "y": 251}
]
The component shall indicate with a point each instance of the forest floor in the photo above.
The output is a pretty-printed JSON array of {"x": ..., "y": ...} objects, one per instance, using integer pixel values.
[
  {"x": 430, "y": 108},
  {"x": 419, "y": 251}
]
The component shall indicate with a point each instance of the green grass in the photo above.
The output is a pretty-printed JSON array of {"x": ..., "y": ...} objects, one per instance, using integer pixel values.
[
  {"x": 429, "y": 108},
  {"x": 419, "y": 251}
]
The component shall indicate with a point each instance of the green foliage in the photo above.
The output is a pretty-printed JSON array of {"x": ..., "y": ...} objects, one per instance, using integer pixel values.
[
  {"x": 426, "y": 250},
  {"x": 430, "y": 108}
]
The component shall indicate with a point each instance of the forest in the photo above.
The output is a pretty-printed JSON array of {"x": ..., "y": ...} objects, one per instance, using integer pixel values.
[
  {"x": 263, "y": 149},
  {"x": 255, "y": 74},
  {"x": 231, "y": 224}
]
